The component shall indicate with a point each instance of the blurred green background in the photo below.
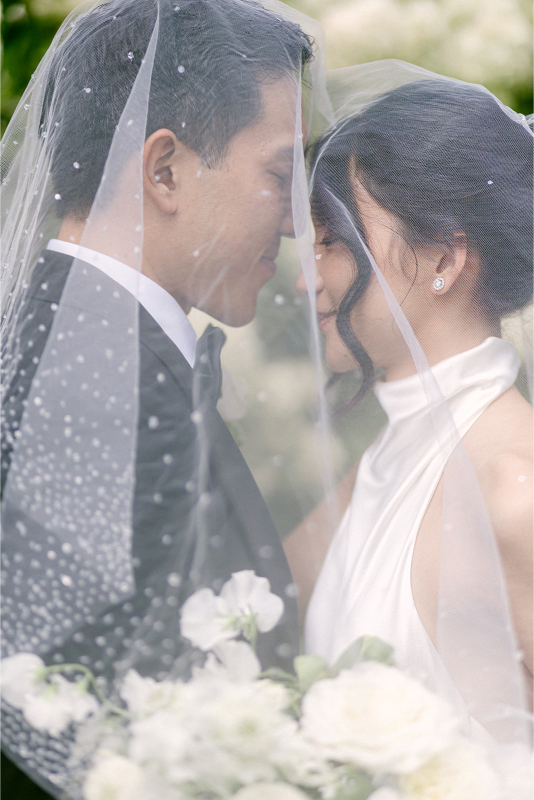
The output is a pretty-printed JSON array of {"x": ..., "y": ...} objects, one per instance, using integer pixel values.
[{"x": 484, "y": 41}]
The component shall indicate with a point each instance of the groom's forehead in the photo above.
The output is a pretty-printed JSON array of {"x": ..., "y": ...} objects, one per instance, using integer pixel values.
[{"x": 272, "y": 134}]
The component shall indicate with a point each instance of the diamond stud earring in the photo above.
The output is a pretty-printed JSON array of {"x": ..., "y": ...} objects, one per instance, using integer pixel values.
[{"x": 438, "y": 284}]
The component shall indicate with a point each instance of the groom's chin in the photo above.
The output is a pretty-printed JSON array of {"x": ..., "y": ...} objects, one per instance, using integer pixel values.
[{"x": 235, "y": 316}]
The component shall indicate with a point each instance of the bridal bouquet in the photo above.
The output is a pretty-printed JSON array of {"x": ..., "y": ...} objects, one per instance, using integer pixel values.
[{"x": 358, "y": 729}]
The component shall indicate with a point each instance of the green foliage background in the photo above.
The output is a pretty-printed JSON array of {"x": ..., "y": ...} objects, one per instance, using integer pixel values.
[{"x": 436, "y": 34}]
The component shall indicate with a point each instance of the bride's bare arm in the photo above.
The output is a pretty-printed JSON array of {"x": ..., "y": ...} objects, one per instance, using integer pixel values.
[
  {"x": 307, "y": 545},
  {"x": 502, "y": 456},
  {"x": 512, "y": 514},
  {"x": 500, "y": 447}
]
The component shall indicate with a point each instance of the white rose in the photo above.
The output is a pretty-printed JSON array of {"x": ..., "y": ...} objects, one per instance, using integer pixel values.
[
  {"x": 270, "y": 791},
  {"x": 385, "y": 793},
  {"x": 460, "y": 773},
  {"x": 377, "y": 718},
  {"x": 513, "y": 764},
  {"x": 115, "y": 778},
  {"x": 21, "y": 675}
]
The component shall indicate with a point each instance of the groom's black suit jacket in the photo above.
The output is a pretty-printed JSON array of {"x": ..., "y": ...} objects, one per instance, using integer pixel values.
[{"x": 241, "y": 532}]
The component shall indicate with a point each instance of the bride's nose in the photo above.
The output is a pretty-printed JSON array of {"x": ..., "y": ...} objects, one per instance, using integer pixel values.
[{"x": 301, "y": 283}]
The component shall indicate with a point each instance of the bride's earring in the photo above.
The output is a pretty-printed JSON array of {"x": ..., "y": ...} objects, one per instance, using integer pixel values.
[{"x": 438, "y": 284}]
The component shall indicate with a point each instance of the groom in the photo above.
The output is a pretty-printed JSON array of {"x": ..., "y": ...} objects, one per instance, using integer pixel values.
[{"x": 217, "y": 168}]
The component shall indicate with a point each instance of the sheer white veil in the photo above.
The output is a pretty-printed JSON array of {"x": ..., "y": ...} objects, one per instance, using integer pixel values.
[
  {"x": 78, "y": 584},
  {"x": 377, "y": 106}
]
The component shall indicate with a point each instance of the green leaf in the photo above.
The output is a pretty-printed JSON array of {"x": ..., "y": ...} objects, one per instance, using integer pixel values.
[
  {"x": 366, "y": 648},
  {"x": 357, "y": 787},
  {"x": 310, "y": 669},
  {"x": 280, "y": 675}
]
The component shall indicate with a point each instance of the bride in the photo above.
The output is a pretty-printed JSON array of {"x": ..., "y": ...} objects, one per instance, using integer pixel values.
[{"x": 422, "y": 199}]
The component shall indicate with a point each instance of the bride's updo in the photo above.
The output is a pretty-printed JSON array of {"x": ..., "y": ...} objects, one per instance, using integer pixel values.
[{"x": 443, "y": 157}]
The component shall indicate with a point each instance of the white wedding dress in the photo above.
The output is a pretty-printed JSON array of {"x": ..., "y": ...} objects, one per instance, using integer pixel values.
[{"x": 364, "y": 586}]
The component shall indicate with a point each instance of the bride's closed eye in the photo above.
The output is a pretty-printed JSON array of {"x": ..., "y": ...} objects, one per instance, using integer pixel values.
[
  {"x": 323, "y": 237},
  {"x": 327, "y": 240}
]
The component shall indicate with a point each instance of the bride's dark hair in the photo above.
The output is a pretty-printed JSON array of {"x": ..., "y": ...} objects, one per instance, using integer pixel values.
[{"x": 443, "y": 157}]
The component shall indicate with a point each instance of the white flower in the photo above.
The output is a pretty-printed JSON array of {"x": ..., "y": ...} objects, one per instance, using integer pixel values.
[
  {"x": 204, "y": 620},
  {"x": 115, "y": 778},
  {"x": 163, "y": 740},
  {"x": 460, "y": 773},
  {"x": 144, "y": 696},
  {"x": 240, "y": 730},
  {"x": 514, "y": 766},
  {"x": 377, "y": 718},
  {"x": 245, "y": 600},
  {"x": 223, "y": 733},
  {"x": 48, "y": 705},
  {"x": 230, "y": 660},
  {"x": 270, "y": 791},
  {"x": 247, "y": 595},
  {"x": 220, "y": 732},
  {"x": 21, "y": 676},
  {"x": 239, "y": 660},
  {"x": 301, "y": 762},
  {"x": 57, "y": 705},
  {"x": 385, "y": 793},
  {"x": 247, "y": 718}
]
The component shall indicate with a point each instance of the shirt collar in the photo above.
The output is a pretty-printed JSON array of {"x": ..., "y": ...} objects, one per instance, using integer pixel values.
[{"x": 161, "y": 306}]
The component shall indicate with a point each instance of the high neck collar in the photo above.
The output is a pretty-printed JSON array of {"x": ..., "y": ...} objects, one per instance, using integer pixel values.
[{"x": 493, "y": 360}]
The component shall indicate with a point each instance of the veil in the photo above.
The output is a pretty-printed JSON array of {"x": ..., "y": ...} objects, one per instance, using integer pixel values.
[
  {"x": 450, "y": 164},
  {"x": 123, "y": 489}
]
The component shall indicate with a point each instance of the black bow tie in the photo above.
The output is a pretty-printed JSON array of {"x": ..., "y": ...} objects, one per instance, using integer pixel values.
[{"x": 207, "y": 372}]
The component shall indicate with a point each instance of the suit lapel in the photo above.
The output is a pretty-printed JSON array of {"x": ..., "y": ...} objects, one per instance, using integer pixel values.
[
  {"x": 230, "y": 466},
  {"x": 234, "y": 474},
  {"x": 157, "y": 341}
]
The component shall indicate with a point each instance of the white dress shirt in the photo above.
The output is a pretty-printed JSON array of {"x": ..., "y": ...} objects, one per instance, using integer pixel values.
[{"x": 162, "y": 306}]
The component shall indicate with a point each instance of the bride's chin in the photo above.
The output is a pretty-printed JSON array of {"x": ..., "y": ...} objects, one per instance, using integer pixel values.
[{"x": 339, "y": 359}]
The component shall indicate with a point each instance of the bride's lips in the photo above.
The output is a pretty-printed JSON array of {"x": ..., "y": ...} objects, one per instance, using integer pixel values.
[{"x": 325, "y": 318}]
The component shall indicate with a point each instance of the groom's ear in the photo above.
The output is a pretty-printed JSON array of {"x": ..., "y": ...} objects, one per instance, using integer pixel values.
[{"x": 162, "y": 154}]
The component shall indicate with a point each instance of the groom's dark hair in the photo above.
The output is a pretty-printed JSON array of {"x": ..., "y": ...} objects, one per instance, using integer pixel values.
[{"x": 212, "y": 57}]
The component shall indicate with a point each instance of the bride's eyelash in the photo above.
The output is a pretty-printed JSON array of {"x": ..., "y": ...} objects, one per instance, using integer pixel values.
[{"x": 326, "y": 241}]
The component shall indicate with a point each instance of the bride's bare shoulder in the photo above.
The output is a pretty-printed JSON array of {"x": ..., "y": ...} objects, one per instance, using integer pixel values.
[
  {"x": 501, "y": 444},
  {"x": 503, "y": 459}
]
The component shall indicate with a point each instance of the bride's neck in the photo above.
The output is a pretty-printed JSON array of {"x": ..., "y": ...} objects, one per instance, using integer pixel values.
[{"x": 442, "y": 338}]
